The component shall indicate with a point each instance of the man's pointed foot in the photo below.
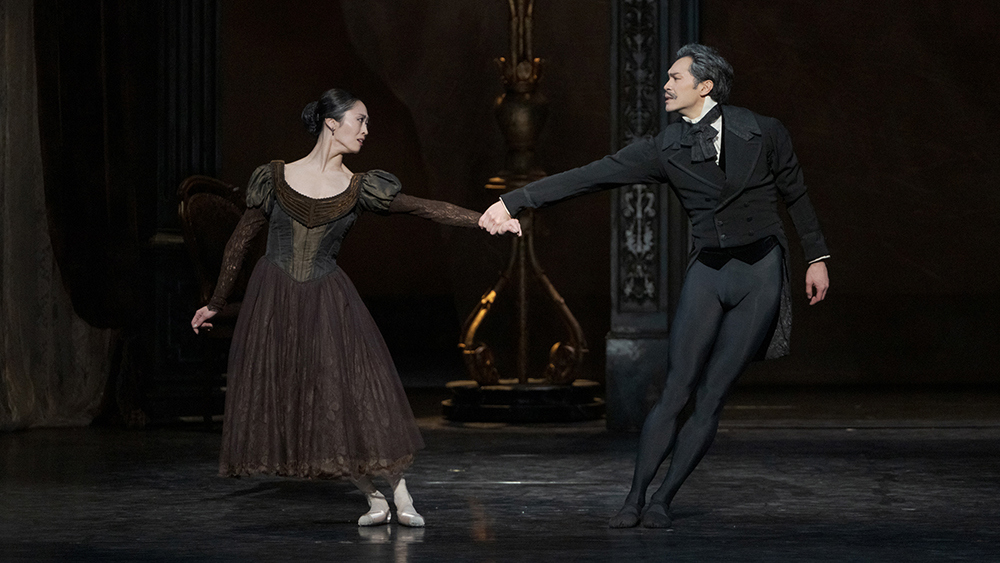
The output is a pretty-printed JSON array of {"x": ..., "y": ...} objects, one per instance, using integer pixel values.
[
  {"x": 627, "y": 517},
  {"x": 656, "y": 517}
]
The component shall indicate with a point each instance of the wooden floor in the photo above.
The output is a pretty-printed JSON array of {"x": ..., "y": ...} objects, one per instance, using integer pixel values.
[{"x": 794, "y": 475}]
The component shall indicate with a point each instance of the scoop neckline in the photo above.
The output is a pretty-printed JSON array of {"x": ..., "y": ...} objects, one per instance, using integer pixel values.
[{"x": 281, "y": 171}]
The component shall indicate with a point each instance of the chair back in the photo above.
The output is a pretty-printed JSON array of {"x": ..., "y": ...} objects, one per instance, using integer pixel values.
[{"x": 209, "y": 210}]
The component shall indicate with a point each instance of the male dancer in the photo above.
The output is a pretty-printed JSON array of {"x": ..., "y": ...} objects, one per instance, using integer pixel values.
[{"x": 728, "y": 166}]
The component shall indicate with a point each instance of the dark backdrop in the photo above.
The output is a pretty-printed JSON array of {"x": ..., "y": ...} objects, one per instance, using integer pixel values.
[
  {"x": 890, "y": 105},
  {"x": 426, "y": 72}
]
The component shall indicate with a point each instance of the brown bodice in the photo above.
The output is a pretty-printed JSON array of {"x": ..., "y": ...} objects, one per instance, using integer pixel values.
[
  {"x": 313, "y": 212},
  {"x": 305, "y": 234}
]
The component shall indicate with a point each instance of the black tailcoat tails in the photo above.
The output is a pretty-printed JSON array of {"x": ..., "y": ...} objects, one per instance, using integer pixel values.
[{"x": 726, "y": 209}]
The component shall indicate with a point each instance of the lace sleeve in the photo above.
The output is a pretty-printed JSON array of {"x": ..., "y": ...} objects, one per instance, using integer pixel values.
[
  {"x": 236, "y": 250},
  {"x": 437, "y": 211}
]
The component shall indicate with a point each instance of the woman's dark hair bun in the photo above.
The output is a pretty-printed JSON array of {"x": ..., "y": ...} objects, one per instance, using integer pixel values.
[
  {"x": 334, "y": 103},
  {"x": 310, "y": 119}
]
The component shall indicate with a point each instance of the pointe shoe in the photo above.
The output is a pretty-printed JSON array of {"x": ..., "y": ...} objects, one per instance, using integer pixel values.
[
  {"x": 410, "y": 517},
  {"x": 627, "y": 517},
  {"x": 378, "y": 512},
  {"x": 656, "y": 517},
  {"x": 407, "y": 515}
]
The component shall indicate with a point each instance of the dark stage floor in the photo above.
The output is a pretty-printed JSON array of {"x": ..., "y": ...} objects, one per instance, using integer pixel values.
[{"x": 794, "y": 475}]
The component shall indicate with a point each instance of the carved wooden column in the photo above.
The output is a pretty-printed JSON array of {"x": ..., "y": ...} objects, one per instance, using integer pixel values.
[{"x": 649, "y": 230}]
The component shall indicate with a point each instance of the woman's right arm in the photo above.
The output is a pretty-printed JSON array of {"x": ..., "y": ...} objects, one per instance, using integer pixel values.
[{"x": 250, "y": 224}]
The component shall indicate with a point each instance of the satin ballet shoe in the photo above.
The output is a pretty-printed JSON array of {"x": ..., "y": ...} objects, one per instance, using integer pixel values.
[
  {"x": 627, "y": 517},
  {"x": 410, "y": 518},
  {"x": 378, "y": 512},
  {"x": 656, "y": 517},
  {"x": 407, "y": 515}
]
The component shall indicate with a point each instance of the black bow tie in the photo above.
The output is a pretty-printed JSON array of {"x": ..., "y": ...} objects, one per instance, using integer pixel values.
[{"x": 701, "y": 136}]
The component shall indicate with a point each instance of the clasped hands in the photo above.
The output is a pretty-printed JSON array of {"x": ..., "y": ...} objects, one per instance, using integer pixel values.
[{"x": 497, "y": 221}]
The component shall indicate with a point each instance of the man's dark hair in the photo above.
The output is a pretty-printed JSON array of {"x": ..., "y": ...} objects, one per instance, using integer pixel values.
[{"x": 708, "y": 64}]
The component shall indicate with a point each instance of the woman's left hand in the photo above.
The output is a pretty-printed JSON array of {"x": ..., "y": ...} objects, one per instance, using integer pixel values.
[{"x": 200, "y": 319}]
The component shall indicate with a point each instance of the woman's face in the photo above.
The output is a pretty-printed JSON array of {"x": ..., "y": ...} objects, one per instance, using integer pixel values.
[{"x": 351, "y": 130}]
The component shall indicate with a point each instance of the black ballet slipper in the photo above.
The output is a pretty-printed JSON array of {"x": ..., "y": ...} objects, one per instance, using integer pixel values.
[
  {"x": 656, "y": 517},
  {"x": 627, "y": 517}
]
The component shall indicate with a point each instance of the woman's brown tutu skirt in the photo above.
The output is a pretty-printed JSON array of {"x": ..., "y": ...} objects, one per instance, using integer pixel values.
[{"x": 312, "y": 390}]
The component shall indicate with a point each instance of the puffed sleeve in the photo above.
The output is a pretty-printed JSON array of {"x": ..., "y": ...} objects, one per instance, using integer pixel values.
[
  {"x": 378, "y": 189},
  {"x": 260, "y": 190}
]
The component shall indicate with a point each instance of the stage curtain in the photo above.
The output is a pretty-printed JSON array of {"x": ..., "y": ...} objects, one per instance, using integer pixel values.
[
  {"x": 53, "y": 364},
  {"x": 98, "y": 105}
]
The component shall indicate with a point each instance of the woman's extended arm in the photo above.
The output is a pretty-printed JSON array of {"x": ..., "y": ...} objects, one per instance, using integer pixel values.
[
  {"x": 251, "y": 222},
  {"x": 380, "y": 193},
  {"x": 444, "y": 213},
  {"x": 437, "y": 211}
]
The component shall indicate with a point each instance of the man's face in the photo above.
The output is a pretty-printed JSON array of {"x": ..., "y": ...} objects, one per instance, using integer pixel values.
[{"x": 682, "y": 92}]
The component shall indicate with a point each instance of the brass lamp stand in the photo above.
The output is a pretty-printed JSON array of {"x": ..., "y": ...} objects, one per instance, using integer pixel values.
[{"x": 558, "y": 395}]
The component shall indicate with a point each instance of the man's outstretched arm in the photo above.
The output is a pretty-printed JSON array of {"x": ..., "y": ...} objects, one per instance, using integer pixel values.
[{"x": 638, "y": 163}]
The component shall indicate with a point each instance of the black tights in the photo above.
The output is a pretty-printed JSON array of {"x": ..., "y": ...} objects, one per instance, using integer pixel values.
[{"x": 722, "y": 320}]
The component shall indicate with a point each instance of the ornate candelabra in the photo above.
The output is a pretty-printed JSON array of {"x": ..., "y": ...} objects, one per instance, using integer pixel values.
[{"x": 557, "y": 395}]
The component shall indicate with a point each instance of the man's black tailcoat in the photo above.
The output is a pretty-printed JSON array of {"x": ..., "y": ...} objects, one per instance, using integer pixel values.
[{"x": 727, "y": 209}]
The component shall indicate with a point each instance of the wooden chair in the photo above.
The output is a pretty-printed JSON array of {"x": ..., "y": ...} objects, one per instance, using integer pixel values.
[{"x": 209, "y": 210}]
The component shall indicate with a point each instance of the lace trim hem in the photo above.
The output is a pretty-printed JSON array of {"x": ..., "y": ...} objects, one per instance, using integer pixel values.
[{"x": 325, "y": 469}]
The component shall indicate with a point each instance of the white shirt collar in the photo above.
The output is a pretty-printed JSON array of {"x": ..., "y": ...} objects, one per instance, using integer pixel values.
[
  {"x": 717, "y": 125},
  {"x": 705, "y": 108}
]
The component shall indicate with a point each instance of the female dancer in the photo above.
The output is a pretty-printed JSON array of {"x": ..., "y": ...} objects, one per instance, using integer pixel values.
[{"x": 312, "y": 390}]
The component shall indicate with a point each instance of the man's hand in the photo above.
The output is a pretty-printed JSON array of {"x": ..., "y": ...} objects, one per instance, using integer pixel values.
[
  {"x": 512, "y": 226},
  {"x": 497, "y": 220},
  {"x": 817, "y": 282}
]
